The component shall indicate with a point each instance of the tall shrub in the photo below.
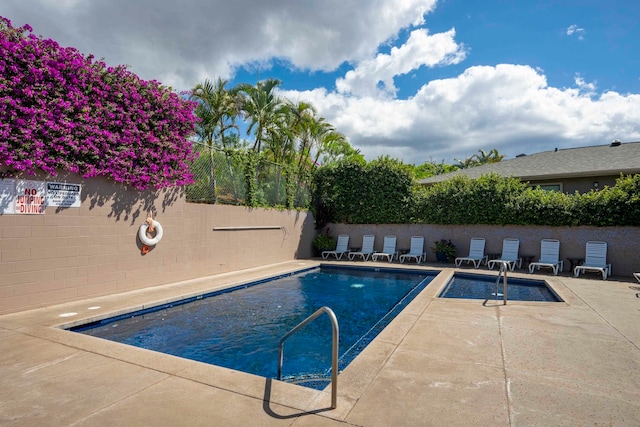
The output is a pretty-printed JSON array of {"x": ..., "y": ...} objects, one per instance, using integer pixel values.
[
  {"x": 630, "y": 203},
  {"x": 535, "y": 206},
  {"x": 379, "y": 192},
  {"x": 62, "y": 110},
  {"x": 617, "y": 205},
  {"x": 490, "y": 199}
]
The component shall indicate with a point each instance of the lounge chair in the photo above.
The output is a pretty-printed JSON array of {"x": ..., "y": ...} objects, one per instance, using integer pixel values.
[
  {"x": 509, "y": 255},
  {"x": 416, "y": 251},
  {"x": 549, "y": 256},
  {"x": 595, "y": 260},
  {"x": 366, "y": 250},
  {"x": 388, "y": 251},
  {"x": 342, "y": 248},
  {"x": 476, "y": 253}
]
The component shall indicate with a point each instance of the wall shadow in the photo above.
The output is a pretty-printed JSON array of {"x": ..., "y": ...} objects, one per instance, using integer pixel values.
[
  {"x": 307, "y": 234},
  {"x": 131, "y": 205}
]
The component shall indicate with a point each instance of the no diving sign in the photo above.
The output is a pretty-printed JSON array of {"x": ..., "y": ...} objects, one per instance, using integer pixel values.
[{"x": 30, "y": 197}]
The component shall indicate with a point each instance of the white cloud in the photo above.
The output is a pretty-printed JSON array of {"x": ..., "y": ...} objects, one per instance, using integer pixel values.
[
  {"x": 583, "y": 86},
  {"x": 574, "y": 29},
  {"x": 508, "y": 107},
  {"x": 180, "y": 43},
  {"x": 375, "y": 76}
]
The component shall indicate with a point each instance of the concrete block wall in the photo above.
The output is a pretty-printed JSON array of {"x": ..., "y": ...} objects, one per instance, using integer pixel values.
[
  {"x": 623, "y": 243},
  {"x": 74, "y": 253}
]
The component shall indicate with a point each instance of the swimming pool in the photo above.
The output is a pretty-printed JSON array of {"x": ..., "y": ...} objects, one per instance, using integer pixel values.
[
  {"x": 477, "y": 286},
  {"x": 240, "y": 327}
]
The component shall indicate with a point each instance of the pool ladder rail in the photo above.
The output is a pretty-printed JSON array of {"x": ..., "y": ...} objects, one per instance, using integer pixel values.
[
  {"x": 504, "y": 266},
  {"x": 334, "y": 348}
]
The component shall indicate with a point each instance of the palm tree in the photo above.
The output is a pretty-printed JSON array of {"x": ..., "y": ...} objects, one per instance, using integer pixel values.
[
  {"x": 483, "y": 158},
  {"x": 260, "y": 106},
  {"x": 302, "y": 116},
  {"x": 285, "y": 131},
  {"x": 217, "y": 109},
  {"x": 323, "y": 137},
  {"x": 492, "y": 157},
  {"x": 338, "y": 147},
  {"x": 315, "y": 136},
  {"x": 466, "y": 163}
]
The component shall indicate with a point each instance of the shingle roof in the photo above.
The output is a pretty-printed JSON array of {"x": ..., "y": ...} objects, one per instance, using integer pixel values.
[{"x": 599, "y": 160}]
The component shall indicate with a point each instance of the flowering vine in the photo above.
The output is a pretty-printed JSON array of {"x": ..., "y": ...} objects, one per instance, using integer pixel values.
[{"x": 62, "y": 110}]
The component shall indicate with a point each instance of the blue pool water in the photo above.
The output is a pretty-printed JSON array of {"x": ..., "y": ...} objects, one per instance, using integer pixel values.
[
  {"x": 241, "y": 328},
  {"x": 476, "y": 286}
]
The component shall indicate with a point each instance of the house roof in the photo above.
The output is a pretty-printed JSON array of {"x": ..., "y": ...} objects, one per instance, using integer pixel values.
[{"x": 599, "y": 160}]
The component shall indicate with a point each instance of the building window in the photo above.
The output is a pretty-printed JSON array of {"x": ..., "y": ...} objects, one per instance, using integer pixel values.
[{"x": 557, "y": 186}]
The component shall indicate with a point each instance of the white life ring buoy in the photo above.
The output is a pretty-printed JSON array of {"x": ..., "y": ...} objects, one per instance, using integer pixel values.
[{"x": 142, "y": 233}]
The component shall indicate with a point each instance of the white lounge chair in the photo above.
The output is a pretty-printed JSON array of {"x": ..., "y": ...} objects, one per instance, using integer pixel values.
[
  {"x": 476, "y": 253},
  {"x": 416, "y": 251},
  {"x": 342, "y": 248},
  {"x": 366, "y": 250},
  {"x": 509, "y": 255},
  {"x": 595, "y": 260},
  {"x": 549, "y": 256},
  {"x": 388, "y": 251}
]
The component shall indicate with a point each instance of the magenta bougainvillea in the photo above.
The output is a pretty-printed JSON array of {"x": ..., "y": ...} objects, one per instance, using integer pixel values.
[{"x": 61, "y": 110}]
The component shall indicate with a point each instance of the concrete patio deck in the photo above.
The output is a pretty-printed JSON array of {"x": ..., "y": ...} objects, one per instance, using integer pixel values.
[{"x": 441, "y": 362}]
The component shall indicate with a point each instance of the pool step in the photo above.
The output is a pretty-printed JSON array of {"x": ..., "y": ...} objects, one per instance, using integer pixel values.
[{"x": 316, "y": 381}]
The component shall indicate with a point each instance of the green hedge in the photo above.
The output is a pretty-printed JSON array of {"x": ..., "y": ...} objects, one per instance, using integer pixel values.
[
  {"x": 382, "y": 192},
  {"x": 492, "y": 199},
  {"x": 356, "y": 193}
]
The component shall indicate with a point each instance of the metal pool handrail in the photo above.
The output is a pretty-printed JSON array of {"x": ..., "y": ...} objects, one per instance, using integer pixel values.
[
  {"x": 504, "y": 266},
  {"x": 334, "y": 349}
]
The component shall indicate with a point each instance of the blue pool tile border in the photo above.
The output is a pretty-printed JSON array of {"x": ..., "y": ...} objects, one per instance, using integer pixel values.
[{"x": 143, "y": 311}]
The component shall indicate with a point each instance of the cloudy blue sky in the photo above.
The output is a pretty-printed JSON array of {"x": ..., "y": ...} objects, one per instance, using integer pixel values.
[{"x": 418, "y": 80}]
